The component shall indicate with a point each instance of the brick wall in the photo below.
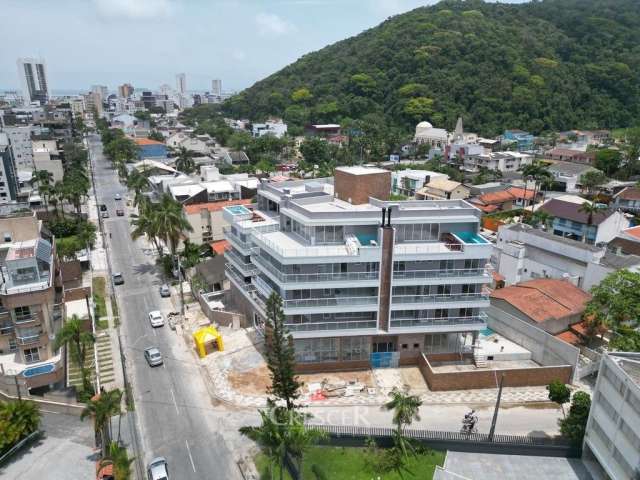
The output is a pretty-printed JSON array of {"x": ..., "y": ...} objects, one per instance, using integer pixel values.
[
  {"x": 357, "y": 189},
  {"x": 516, "y": 377},
  {"x": 332, "y": 366}
]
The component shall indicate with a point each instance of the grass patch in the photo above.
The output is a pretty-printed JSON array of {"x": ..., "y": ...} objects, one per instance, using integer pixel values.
[
  {"x": 348, "y": 463},
  {"x": 102, "y": 324},
  {"x": 99, "y": 294}
]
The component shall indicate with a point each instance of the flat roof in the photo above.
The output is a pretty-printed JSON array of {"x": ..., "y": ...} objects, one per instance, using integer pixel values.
[{"x": 361, "y": 170}]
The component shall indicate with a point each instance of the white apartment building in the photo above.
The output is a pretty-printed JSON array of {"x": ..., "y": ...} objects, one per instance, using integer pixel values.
[
  {"x": 181, "y": 83},
  {"x": 8, "y": 182},
  {"x": 20, "y": 140},
  {"x": 408, "y": 182},
  {"x": 277, "y": 129},
  {"x": 612, "y": 441},
  {"x": 364, "y": 281},
  {"x": 33, "y": 78},
  {"x": 47, "y": 157},
  {"x": 501, "y": 161},
  {"x": 216, "y": 87}
]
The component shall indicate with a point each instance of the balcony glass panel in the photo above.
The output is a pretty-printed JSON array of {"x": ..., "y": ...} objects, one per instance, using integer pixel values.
[
  {"x": 404, "y": 322},
  {"x": 330, "y": 302},
  {"x": 461, "y": 297}
]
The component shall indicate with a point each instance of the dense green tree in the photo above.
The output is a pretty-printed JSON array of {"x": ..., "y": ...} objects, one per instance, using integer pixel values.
[
  {"x": 101, "y": 408},
  {"x": 573, "y": 426},
  {"x": 608, "y": 160},
  {"x": 280, "y": 354},
  {"x": 592, "y": 180},
  {"x": 559, "y": 393},
  {"x": 184, "y": 160},
  {"x": 616, "y": 300},
  {"x": 17, "y": 420},
  {"x": 156, "y": 135},
  {"x": 78, "y": 342}
]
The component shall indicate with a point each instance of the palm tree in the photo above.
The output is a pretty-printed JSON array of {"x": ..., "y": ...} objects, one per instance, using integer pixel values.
[
  {"x": 171, "y": 222},
  {"x": 138, "y": 183},
  {"x": 590, "y": 208},
  {"x": 541, "y": 219},
  {"x": 101, "y": 408},
  {"x": 147, "y": 224},
  {"x": 539, "y": 173},
  {"x": 118, "y": 457},
  {"x": 43, "y": 178},
  {"x": 78, "y": 341},
  {"x": 184, "y": 160},
  {"x": 406, "y": 409},
  {"x": 17, "y": 420}
]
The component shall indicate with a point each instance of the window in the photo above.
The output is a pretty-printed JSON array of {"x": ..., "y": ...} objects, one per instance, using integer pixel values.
[
  {"x": 13, "y": 346},
  {"x": 354, "y": 348},
  {"x": 31, "y": 355}
]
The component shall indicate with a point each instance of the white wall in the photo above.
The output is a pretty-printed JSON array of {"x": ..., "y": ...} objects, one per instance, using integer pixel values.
[{"x": 611, "y": 227}]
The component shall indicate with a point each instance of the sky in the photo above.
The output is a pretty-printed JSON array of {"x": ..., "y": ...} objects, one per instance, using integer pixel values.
[{"x": 147, "y": 42}]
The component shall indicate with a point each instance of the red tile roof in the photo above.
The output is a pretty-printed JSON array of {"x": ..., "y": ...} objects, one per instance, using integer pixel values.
[
  {"x": 569, "y": 337},
  {"x": 496, "y": 197},
  {"x": 633, "y": 231},
  {"x": 518, "y": 192},
  {"x": 146, "y": 141},
  {"x": 544, "y": 299},
  {"x": 220, "y": 246},
  {"x": 213, "y": 206},
  {"x": 629, "y": 193}
]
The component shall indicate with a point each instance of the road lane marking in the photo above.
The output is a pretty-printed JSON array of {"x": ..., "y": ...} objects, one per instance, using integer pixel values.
[
  {"x": 175, "y": 404},
  {"x": 155, "y": 334},
  {"x": 190, "y": 457}
]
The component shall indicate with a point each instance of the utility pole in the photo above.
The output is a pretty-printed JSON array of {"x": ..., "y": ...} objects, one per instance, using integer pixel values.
[
  {"x": 495, "y": 412},
  {"x": 15, "y": 378},
  {"x": 181, "y": 289}
]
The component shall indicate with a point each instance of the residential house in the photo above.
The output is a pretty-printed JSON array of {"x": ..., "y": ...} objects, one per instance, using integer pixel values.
[
  {"x": 407, "y": 182},
  {"x": 235, "y": 157},
  {"x": 443, "y": 189},
  {"x": 626, "y": 242},
  {"x": 512, "y": 197},
  {"x": 569, "y": 155},
  {"x": 182, "y": 140},
  {"x": 207, "y": 221},
  {"x": 148, "y": 148},
  {"x": 277, "y": 129},
  {"x": 32, "y": 306},
  {"x": 550, "y": 304},
  {"x": 569, "y": 220},
  {"x": 611, "y": 447},
  {"x": 522, "y": 140},
  {"x": 566, "y": 175},
  {"x": 47, "y": 157},
  {"x": 364, "y": 282},
  {"x": 523, "y": 253},
  {"x": 505, "y": 162},
  {"x": 428, "y": 134},
  {"x": 628, "y": 200}
]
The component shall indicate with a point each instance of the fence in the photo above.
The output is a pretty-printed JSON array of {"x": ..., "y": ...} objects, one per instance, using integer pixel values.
[{"x": 19, "y": 445}]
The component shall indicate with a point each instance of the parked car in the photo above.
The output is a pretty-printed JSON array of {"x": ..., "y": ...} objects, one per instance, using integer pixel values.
[
  {"x": 103, "y": 207},
  {"x": 164, "y": 290},
  {"x": 105, "y": 214},
  {"x": 157, "y": 469},
  {"x": 118, "y": 196},
  {"x": 156, "y": 318},
  {"x": 118, "y": 279},
  {"x": 120, "y": 212},
  {"x": 153, "y": 356}
]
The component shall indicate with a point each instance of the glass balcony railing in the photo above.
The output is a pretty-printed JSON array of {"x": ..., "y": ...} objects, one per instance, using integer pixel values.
[
  {"x": 246, "y": 268},
  {"x": 330, "y": 302},
  {"x": 461, "y": 297},
  {"x": 411, "y": 322},
  {"x": 312, "y": 277},
  {"x": 323, "y": 326},
  {"x": 6, "y": 329},
  {"x": 28, "y": 339},
  {"x": 238, "y": 279},
  {"x": 421, "y": 274},
  {"x": 242, "y": 244}
]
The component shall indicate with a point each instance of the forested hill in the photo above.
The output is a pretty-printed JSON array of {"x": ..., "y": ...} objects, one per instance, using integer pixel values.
[{"x": 547, "y": 65}]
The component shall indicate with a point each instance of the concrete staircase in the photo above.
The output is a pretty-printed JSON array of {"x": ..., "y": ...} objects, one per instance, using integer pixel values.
[
  {"x": 479, "y": 357},
  {"x": 105, "y": 363}
]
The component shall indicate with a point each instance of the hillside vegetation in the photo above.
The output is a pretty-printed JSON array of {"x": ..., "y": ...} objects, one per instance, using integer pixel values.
[{"x": 548, "y": 65}]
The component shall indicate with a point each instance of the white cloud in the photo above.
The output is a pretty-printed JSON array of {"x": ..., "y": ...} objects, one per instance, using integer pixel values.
[
  {"x": 134, "y": 9},
  {"x": 272, "y": 24}
]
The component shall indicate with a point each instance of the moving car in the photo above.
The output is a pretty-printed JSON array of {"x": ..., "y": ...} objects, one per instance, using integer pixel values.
[
  {"x": 120, "y": 212},
  {"x": 153, "y": 356},
  {"x": 105, "y": 214},
  {"x": 103, "y": 207},
  {"x": 118, "y": 279},
  {"x": 157, "y": 469},
  {"x": 164, "y": 290},
  {"x": 156, "y": 318},
  {"x": 118, "y": 196}
]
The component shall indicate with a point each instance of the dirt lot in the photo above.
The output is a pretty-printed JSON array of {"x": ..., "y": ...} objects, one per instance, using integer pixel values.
[{"x": 362, "y": 376}]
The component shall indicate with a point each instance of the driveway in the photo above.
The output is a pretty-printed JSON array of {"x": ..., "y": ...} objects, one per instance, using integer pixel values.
[{"x": 65, "y": 452}]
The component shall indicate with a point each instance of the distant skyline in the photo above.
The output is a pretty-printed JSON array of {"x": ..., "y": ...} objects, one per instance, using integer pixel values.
[{"x": 147, "y": 42}]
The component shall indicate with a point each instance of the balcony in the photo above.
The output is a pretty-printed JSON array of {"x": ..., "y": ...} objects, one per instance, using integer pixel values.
[
  {"x": 6, "y": 329},
  {"x": 476, "y": 322},
  {"x": 25, "y": 320},
  {"x": 247, "y": 268},
  {"x": 29, "y": 339},
  {"x": 328, "y": 326},
  {"x": 243, "y": 246},
  {"x": 444, "y": 298},
  {"x": 312, "y": 277},
  {"x": 330, "y": 302},
  {"x": 452, "y": 273},
  {"x": 237, "y": 278}
]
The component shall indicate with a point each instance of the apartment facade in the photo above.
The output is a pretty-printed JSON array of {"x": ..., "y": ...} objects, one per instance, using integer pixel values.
[
  {"x": 363, "y": 282},
  {"x": 504, "y": 162},
  {"x": 31, "y": 296},
  {"x": 8, "y": 175},
  {"x": 611, "y": 447},
  {"x": 33, "y": 77},
  {"x": 20, "y": 140}
]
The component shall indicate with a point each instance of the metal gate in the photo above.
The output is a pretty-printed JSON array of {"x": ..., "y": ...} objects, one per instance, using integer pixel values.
[{"x": 384, "y": 359}]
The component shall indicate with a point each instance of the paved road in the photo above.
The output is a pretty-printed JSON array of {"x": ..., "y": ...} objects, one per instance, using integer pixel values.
[
  {"x": 65, "y": 451},
  {"x": 176, "y": 418}
]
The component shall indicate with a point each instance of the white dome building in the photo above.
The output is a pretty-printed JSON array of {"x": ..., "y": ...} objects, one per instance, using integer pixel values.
[{"x": 426, "y": 133}]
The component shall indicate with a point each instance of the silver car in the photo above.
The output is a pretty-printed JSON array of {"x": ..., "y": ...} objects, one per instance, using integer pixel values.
[
  {"x": 164, "y": 290},
  {"x": 157, "y": 469},
  {"x": 153, "y": 356},
  {"x": 156, "y": 319}
]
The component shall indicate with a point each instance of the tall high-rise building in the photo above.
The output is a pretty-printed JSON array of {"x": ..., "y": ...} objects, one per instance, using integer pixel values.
[
  {"x": 101, "y": 90},
  {"x": 125, "y": 90},
  {"x": 181, "y": 83},
  {"x": 33, "y": 76},
  {"x": 216, "y": 87}
]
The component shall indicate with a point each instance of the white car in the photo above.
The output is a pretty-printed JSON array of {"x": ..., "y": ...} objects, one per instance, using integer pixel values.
[
  {"x": 157, "y": 469},
  {"x": 117, "y": 196},
  {"x": 156, "y": 318},
  {"x": 153, "y": 356}
]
